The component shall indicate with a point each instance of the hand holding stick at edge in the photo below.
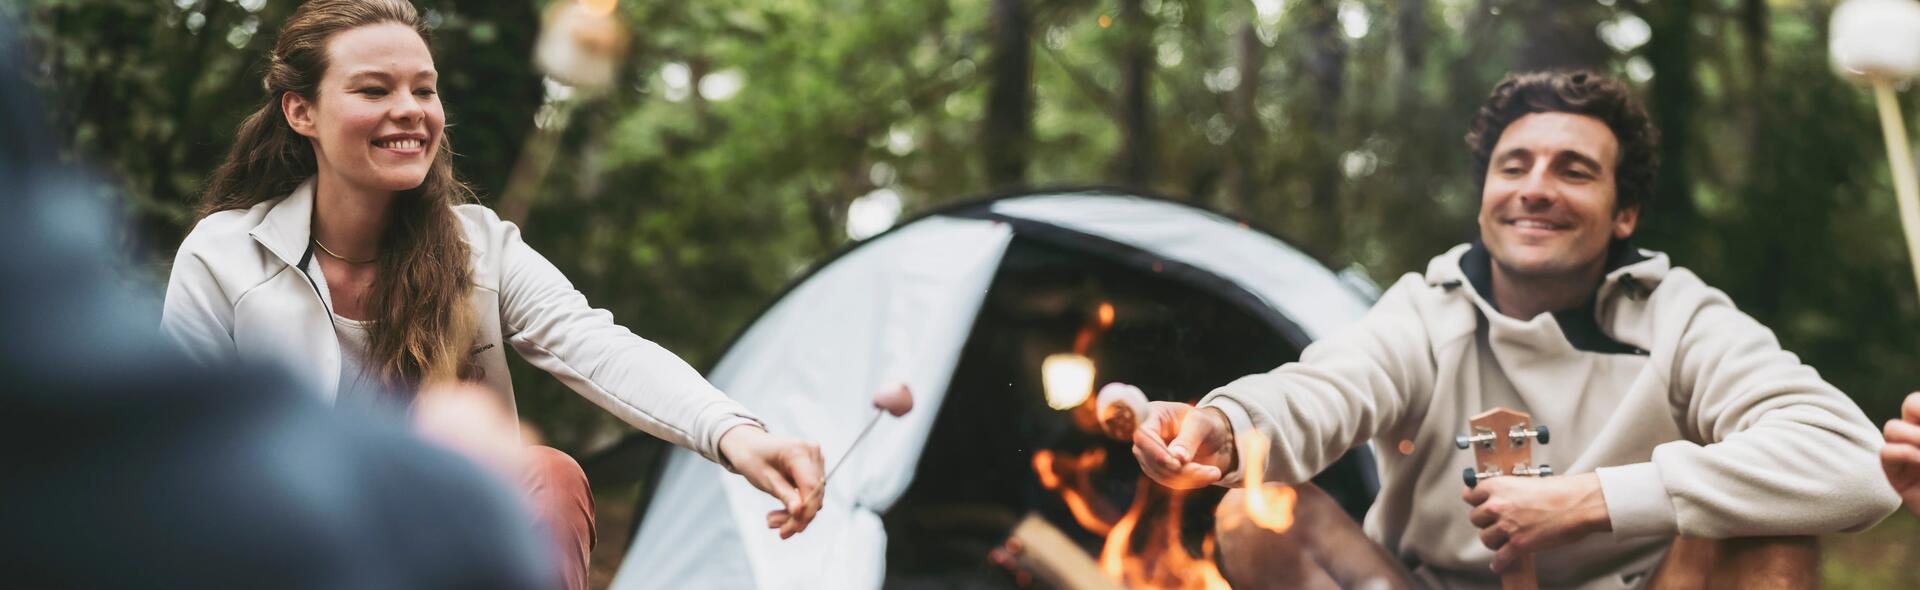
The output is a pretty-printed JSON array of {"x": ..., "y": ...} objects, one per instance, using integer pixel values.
[
  {"x": 896, "y": 400},
  {"x": 1901, "y": 456}
]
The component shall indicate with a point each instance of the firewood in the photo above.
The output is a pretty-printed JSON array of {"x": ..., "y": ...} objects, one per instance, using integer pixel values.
[{"x": 1057, "y": 560}]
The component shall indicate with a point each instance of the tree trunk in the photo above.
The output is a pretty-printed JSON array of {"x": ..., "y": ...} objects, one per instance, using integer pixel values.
[
  {"x": 1243, "y": 173},
  {"x": 1326, "y": 68},
  {"x": 1675, "y": 98},
  {"x": 1562, "y": 34},
  {"x": 1007, "y": 134},
  {"x": 1136, "y": 109}
]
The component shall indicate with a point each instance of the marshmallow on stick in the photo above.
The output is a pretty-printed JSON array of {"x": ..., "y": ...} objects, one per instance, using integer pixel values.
[
  {"x": 1879, "y": 41},
  {"x": 1122, "y": 406},
  {"x": 895, "y": 400}
]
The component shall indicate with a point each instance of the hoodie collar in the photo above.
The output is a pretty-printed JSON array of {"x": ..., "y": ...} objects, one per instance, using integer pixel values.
[
  {"x": 1630, "y": 272},
  {"x": 287, "y": 228}
]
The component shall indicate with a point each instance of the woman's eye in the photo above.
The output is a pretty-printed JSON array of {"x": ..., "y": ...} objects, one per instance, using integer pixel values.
[
  {"x": 425, "y": 92},
  {"x": 372, "y": 91}
]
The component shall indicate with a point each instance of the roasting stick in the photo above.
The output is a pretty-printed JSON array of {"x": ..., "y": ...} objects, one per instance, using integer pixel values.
[
  {"x": 1878, "y": 41},
  {"x": 896, "y": 400}
]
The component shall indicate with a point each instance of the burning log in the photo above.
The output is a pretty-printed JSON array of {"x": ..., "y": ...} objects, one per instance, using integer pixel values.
[{"x": 1049, "y": 554}]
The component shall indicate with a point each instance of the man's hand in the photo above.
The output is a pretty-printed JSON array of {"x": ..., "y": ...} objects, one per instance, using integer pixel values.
[
  {"x": 1522, "y": 515},
  {"x": 1182, "y": 448},
  {"x": 1901, "y": 456},
  {"x": 788, "y": 469}
]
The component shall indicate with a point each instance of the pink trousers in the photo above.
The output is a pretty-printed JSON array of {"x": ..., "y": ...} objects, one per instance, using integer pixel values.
[{"x": 563, "y": 502}]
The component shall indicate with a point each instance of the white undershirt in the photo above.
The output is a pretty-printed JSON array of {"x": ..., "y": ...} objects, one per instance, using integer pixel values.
[{"x": 358, "y": 385}]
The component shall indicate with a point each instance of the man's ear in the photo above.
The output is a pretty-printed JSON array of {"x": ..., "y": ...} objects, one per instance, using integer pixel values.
[
  {"x": 1624, "y": 220},
  {"x": 298, "y": 112}
]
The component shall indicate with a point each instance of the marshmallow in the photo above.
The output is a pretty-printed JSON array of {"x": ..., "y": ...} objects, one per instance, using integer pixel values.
[{"x": 1876, "y": 38}]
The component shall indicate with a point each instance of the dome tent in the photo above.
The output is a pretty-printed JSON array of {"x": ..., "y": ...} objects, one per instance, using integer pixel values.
[{"x": 957, "y": 304}]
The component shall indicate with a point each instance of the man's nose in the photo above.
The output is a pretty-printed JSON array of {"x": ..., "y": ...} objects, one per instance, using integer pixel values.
[{"x": 1538, "y": 190}]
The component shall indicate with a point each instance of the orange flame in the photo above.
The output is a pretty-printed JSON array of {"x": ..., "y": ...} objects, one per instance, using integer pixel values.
[
  {"x": 1106, "y": 315},
  {"x": 1153, "y": 559},
  {"x": 1269, "y": 505},
  {"x": 1079, "y": 469}
]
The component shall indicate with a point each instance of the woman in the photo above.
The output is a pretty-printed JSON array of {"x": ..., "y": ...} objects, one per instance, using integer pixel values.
[{"x": 335, "y": 240}]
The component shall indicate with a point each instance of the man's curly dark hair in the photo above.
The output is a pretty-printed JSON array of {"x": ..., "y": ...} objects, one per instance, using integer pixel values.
[{"x": 1577, "y": 92}]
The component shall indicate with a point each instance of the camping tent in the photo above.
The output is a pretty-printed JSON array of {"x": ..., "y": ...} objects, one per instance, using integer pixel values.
[{"x": 900, "y": 308}]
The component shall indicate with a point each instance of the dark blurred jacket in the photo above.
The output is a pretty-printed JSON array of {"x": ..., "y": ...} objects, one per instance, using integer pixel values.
[{"x": 123, "y": 465}]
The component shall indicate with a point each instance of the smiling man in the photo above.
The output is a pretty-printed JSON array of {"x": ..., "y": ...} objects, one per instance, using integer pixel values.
[{"x": 1680, "y": 427}]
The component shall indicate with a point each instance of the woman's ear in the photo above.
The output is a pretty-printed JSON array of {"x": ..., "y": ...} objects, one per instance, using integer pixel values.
[{"x": 298, "y": 112}]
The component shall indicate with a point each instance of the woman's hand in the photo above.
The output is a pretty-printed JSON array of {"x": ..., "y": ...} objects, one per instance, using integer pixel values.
[{"x": 789, "y": 469}]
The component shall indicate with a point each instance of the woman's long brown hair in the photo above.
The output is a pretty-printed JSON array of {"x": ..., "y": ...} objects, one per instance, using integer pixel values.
[{"x": 422, "y": 327}]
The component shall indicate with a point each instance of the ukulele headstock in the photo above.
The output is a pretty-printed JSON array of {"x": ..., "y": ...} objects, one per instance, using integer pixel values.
[{"x": 1502, "y": 441}]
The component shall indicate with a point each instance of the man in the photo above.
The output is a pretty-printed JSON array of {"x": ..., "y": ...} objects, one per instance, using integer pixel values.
[{"x": 1673, "y": 413}]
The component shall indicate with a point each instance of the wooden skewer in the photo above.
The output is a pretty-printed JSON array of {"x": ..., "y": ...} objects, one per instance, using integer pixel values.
[{"x": 1900, "y": 155}]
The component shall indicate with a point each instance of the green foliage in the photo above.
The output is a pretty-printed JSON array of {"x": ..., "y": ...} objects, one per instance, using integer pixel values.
[{"x": 685, "y": 213}]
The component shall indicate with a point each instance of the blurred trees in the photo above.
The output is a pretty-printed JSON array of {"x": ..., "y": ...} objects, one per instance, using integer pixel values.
[{"x": 745, "y": 131}]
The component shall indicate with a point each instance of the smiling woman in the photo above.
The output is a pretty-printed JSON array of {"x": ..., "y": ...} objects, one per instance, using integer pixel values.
[{"x": 336, "y": 240}]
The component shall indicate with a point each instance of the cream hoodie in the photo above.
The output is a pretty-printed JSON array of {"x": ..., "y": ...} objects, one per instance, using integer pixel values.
[{"x": 1694, "y": 419}]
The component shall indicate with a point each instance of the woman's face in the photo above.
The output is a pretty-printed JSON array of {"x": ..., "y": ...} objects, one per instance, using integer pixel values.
[{"x": 376, "y": 118}]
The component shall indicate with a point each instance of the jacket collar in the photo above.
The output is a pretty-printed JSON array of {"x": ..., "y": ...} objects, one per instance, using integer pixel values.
[
  {"x": 1631, "y": 275},
  {"x": 287, "y": 228},
  {"x": 1627, "y": 268}
]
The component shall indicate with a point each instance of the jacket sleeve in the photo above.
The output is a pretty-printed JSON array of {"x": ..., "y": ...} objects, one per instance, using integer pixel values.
[
  {"x": 1345, "y": 389},
  {"x": 198, "y": 313},
  {"x": 1770, "y": 448},
  {"x": 553, "y": 327}
]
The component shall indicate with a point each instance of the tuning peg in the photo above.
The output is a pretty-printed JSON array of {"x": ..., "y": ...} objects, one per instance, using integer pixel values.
[
  {"x": 1473, "y": 477},
  {"x": 1466, "y": 440},
  {"x": 1538, "y": 433},
  {"x": 1541, "y": 471}
]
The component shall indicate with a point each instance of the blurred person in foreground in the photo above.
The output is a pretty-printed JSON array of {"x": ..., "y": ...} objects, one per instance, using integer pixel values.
[
  {"x": 336, "y": 240},
  {"x": 1681, "y": 430},
  {"x": 124, "y": 465}
]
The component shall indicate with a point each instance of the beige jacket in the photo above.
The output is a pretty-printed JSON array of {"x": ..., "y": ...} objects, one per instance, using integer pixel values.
[
  {"x": 239, "y": 292},
  {"x": 1694, "y": 419}
]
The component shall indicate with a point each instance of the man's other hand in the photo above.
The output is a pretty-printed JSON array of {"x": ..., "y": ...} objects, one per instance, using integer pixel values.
[{"x": 1522, "y": 515}]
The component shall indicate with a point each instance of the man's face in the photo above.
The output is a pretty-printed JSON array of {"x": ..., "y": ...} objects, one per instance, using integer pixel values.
[{"x": 1548, "y": 206}]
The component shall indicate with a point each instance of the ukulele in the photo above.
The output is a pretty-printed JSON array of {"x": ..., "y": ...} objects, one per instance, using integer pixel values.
[{"x": 1502, "y": 442}]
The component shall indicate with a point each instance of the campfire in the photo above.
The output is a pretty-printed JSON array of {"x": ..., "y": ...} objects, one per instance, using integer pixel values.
[
  {"x": 1143, "y": 549},
  {"x": 1022, "y": 444}
]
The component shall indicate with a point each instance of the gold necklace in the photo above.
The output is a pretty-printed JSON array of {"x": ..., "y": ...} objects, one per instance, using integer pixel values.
[{"x": 329, "y": 251}]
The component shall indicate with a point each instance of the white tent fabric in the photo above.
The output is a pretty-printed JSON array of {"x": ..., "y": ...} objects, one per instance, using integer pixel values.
[
  {"x": 899, "y": 309},
  {"x": 894, "y": 311}
]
